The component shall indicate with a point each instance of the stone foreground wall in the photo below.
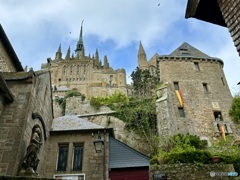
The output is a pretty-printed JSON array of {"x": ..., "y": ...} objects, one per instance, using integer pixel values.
[{"x": 191, "y": 171}]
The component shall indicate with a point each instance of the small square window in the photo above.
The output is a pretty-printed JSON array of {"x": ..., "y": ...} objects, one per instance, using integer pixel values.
[
  {"x": 181, "y": 112},
  {"x": 205, "y": 87},
  {"x": 176, "y": 85},
  {"x": 196, "y": 65}
]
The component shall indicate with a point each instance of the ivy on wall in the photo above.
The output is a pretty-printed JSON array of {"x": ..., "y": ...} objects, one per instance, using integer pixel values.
[
  {"x": 71, "y": 93},
  {"x": 234, "y": 112}
]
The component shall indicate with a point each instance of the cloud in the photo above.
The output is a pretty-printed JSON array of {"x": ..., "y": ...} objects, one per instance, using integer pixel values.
[{"x": 36, "y": 28}]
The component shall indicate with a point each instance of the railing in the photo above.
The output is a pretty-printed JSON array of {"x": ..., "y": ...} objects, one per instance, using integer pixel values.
[{"x": 225, "y": 125}]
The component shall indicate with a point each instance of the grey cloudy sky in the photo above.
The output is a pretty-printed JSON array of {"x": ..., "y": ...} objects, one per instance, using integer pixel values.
[{"x": 115, "y": 27}]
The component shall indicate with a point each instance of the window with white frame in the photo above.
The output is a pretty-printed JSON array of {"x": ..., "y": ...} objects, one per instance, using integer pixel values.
[
  {"x": 77, "y": 161},
  {"x": 62, "y": 157}
]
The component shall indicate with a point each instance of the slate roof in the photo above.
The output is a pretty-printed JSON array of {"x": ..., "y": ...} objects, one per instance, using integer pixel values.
[
  {"x": 22, "y": 75},
  {"x": 70, "y": 122},
  {"x": 123, "y": 156},
  {"x": 187, "y": 50}
]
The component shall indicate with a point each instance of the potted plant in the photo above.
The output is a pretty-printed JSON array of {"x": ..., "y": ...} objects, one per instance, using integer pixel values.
[{"x": 216, "y": 159}]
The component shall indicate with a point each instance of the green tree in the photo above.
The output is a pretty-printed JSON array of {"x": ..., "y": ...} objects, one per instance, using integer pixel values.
[
  {"x": 143, "y": 83},
  {"x": 234, "y": 112},
  {"x": 140, "y": 116}
]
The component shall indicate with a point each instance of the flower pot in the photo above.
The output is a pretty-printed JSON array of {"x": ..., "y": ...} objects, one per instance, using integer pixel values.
[{"x": 216, "y": 159}]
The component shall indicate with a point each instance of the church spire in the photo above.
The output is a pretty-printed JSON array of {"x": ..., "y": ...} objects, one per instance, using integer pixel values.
[
  {"x": 142, "y": 58},
  {"x": 68, "y": 54},
  {"x": 59, "y": 53},
  {"x": 141, "y": 50},
  {"x": 80, "y": 47},
  {"x": 106, "y": 64}
]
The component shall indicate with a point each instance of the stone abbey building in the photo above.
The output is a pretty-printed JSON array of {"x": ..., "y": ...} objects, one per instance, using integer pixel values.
[
  {"x": 84, "y": 73},
  {"x": 195, "y": 97}
]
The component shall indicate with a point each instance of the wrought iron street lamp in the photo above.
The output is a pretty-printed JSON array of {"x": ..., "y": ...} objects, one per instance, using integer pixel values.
[{"x": 98, "y": 144}]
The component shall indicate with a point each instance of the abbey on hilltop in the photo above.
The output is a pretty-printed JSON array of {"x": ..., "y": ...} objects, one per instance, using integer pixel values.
[{"x": 84, "y": 73}]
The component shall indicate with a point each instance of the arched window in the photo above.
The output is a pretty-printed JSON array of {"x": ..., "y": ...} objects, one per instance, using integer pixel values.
[
  {"x": 85, "y": 69},
  {"x": 78, "y": 69},
  {"x": 71, "y": 69},
  {"x": 64, "y": 70}
]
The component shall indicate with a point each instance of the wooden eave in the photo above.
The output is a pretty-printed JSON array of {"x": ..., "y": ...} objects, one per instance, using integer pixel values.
[
  {"x": 205, "y": 10},
  {"x": 5, "y": 91}
]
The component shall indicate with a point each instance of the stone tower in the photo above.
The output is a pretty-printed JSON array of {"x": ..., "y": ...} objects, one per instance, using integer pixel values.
[
  {"x": 195, "y": 93},
  {"x": 84, "y": 73}
]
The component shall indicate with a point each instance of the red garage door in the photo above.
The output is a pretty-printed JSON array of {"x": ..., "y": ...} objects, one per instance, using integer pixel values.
[{"x": 129, "y": 174}]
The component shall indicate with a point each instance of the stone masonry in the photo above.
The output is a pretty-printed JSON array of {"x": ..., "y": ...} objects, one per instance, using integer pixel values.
[
  {"x": 184, "y": 171},
  {"x": 17, "y": 120},
  {"x": 92, "y": 161},
  {"x": 204, "y": 91}
]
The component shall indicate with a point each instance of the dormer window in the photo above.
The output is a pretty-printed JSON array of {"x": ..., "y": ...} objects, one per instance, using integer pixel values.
[{"x": 184, "y": 51}]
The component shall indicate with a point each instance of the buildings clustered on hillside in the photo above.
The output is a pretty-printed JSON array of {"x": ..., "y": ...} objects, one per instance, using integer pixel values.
[{"x": 195, "y": 99}]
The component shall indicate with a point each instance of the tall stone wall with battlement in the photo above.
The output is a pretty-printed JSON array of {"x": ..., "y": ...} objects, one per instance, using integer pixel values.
[{"x": 204, "y": 93}]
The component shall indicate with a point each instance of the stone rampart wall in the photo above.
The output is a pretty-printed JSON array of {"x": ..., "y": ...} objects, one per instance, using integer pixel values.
[{"x": 190, "y": 171}]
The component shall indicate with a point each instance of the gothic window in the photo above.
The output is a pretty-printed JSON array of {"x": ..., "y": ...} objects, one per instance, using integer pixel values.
[
  {"x": 71, "y": 70},
  {"x": 196, "y": 65},
  {"x": 205, "y": 87},
  {"x": 176, "y": 85},
  {"x": 78, "y": 69},
  {"x": 181, "y": 112},
  {"x": 77, "y": 157},
  {"x": 85, "y": 68},
  {"x": 64, "y": 70},
  {"x": 62, "y": 157}
]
